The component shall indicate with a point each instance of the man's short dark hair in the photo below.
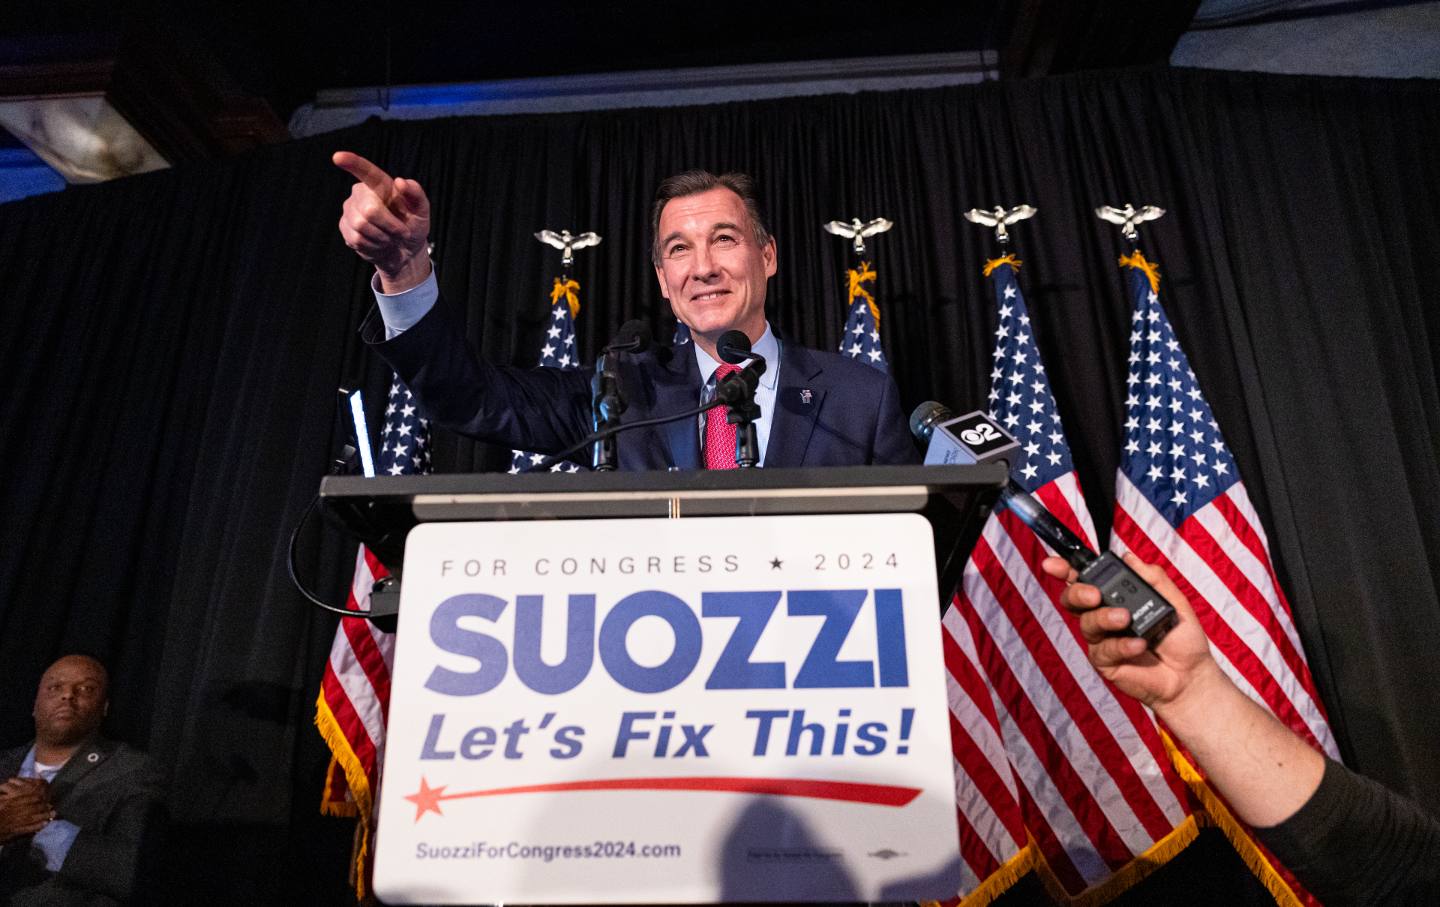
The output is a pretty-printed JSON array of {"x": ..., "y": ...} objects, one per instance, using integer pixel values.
[{"x": 693, "y": 182}]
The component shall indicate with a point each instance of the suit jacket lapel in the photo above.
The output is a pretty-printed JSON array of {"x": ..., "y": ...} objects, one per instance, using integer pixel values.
[
  {"x": 797, "y": 404},
  {"x": 90, "y": 754},
  {"x": 677, "y": 388}
]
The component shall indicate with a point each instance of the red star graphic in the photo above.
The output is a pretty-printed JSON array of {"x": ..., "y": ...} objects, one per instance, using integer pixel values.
[{"x": 427, "y": 799}]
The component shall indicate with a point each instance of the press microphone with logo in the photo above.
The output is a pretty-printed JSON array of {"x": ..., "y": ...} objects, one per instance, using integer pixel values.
[
  {"x": 976, "y": 438},
  {"x": 959, "y": 440},
  {"x": 607, "y": 402}
]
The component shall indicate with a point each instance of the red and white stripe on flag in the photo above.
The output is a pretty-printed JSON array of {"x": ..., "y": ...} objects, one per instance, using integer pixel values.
[
  {"x": 994, "y": 847},
  {"x": 1095, "y": 784},
  {"x": 352, "y": 706},
  {"x": 1087, "y": 767},
  {"x": 1219, "y": 558},
  {"x": 1179, "y": 503}
]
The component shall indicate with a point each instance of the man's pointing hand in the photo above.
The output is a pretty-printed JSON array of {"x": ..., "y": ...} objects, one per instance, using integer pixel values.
[{"x": 386, "y": 220}]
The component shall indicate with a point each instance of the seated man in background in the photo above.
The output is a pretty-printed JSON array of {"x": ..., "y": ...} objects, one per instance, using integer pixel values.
[
  {"x": 1346, "y": 838},
  {"x": 75, "y": 807}
]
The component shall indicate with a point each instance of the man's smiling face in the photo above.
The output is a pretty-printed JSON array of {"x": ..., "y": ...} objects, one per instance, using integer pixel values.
[{"x": 711, "y": 266}]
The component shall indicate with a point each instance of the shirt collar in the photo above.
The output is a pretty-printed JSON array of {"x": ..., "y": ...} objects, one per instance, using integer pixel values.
[
  {"x": 30, "y": 768},
  {"x": 767, "y": 346}
]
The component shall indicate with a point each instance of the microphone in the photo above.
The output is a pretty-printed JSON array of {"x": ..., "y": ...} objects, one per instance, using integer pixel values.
[
  {"x": 607, "y": 403},
  {"x": 734, "y": 348},
  {"x": 737, "y": 392},
  {"x": 962, "y": 440},
  {"x": 976, "y": 438}
]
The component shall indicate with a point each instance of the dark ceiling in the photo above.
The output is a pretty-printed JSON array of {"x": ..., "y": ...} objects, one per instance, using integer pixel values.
[{"x": 212, "y": 77}]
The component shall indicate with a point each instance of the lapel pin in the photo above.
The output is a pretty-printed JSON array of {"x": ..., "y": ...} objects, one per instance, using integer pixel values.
[
  {"x": 806, "y": 396},
  {"x": 93, "y": 758}
]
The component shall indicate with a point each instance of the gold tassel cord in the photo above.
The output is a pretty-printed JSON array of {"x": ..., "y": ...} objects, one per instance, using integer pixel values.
[
  {"x": 858, "y": 279},
  {"x": 569, "y": 289},
  {"x": 1140, "y": 263},
  {"x": 994, "y": 263}
]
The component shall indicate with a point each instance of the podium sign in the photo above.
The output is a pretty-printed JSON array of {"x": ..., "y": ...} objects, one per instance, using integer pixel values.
[{"x": 669, "y": 711}]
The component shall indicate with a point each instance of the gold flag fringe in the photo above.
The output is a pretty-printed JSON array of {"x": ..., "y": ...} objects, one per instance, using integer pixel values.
[
  {"x": 1029, "y": 859},
  {"x": 363, "y": 806},
  {"x": 1139, "y": 868},
  {"x": 994, "y": 263},
  {"x": 858, "y": 278},
  {"x": 569, "y": 289},
  {"x": 1003, "y": 878},
  {"x": 999, "y": 881},
  {"x": 1218, "y": 815},
  {"x": 1140, "y": 263}
]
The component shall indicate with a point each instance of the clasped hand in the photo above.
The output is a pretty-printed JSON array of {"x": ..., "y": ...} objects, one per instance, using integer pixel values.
[{"x": 24, "y": 808}]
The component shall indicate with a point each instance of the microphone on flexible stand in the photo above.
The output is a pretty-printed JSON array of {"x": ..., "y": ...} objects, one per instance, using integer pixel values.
[
  {"x": 735, "y": 389},
  {"x": 607, "y": 402},
  {"x": 737, "y": 392}
]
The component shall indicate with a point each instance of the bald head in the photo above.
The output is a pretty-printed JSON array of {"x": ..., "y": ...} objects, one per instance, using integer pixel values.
[{"x": 71, "y": 701}]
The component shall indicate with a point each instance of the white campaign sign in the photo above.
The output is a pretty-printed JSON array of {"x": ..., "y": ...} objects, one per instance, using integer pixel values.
[{"x": 669, "y": 711}]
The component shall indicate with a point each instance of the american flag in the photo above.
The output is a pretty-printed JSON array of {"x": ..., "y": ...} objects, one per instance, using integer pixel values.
[
  {"x": 1180, "y": 504},
  {"x": 557, "y": 350},
  {"x": 861, "y": 339},
  {"x": 1093, "y": 780},
  {"x": 355, "y": 688}
]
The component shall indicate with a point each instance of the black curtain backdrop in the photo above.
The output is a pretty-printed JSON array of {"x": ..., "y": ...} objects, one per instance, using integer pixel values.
[{"x": 173, "y": 344}]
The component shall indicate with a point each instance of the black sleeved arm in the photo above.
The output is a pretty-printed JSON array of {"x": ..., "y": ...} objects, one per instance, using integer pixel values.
[
  {"x": 540, "y": 409},
  {"x": 1356, "y": 842}
]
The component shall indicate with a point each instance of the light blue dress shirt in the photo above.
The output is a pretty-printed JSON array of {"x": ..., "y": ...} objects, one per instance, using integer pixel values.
[
  {"x": 401, "y": 311},
  {"x": 55, "y": 838}
]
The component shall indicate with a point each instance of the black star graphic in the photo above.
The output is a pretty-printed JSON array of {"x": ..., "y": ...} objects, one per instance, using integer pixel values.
[{"x": 774, "y": 563}]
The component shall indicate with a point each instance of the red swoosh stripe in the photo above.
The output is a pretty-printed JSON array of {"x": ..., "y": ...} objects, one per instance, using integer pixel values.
[{"x": 876, "y": 794}]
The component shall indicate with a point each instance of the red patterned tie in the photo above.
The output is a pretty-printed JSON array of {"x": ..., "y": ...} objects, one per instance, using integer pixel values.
[{"x": 720, "y": 434}]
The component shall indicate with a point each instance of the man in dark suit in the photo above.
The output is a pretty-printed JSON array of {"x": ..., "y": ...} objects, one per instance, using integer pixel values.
[
  {"x": 713, "y": 257},
  {"x": 75, "y": 808}
]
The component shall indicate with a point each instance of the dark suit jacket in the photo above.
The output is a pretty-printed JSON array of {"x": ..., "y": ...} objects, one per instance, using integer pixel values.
[
  {"x": 107, "y": 789},
  {"x": 829, "y": 410}
]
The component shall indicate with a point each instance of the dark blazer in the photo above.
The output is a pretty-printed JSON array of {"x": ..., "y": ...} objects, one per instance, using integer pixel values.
[
  {"x": 829, "y": 410},
  {"x": 108, "y": 790}
]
